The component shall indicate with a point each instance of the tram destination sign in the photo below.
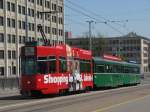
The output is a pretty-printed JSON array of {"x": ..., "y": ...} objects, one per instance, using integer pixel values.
[{"x": 29, "y": 51}]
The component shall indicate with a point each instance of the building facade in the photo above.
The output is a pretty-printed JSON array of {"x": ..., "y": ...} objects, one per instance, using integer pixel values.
[
  {"x": 18, "y": 23},
  {"x": 98, "y": 44},
  {"x": 130, "y": 47}
]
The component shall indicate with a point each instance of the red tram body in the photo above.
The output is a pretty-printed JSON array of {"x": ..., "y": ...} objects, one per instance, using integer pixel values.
[{"x": 55, "y": 69}]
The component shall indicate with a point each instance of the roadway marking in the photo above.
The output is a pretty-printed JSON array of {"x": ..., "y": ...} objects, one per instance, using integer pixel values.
[
  {"x": 120, "y": 104},
  {"x": 65, "y": 97}
]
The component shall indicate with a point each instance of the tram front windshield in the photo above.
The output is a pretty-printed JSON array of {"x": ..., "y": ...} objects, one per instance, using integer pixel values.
[{"x": 28, "y": 66}]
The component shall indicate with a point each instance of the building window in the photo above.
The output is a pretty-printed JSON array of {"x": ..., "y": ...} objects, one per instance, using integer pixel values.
[
  {"x": 20, "y": 39},
  {"x": 1, "y": 37},
  {"x": 13, "y": 23},
  {"x": 54, "y": 31},
  {"x": 1, "y": 54},
  {"x": 9, "y": 70},
  {"x": 9, "y": 54},
  {"x": 13, "y": 54},
  {"x": 60, "y": 8},
  {"x": 14, "y": 39},
  {"x": 29, "y": 12},
  {"x": 1, "y": 4},
  {"x": 54, "y": 19},
  {"x": 60, "y": 21},
  {"x": 23, "y": 10},
  {"x": 145, "y": 61},
  {"x": 33, "y": 27},
  {"x": 38, "y": 14},
  {"x": 54, "y": 6},
  {"x": 32, "y": 1},
  {"x": 24, "y": 39},
  {"x": 19, "y": 24},
  {"x": 23, "y": 25},
  {"x": 9, "y": 38},
  {"x": 60, "y": 32},
  {"x": 1, "y": 71},
  {"x": 8, "y": 22},
  {"x": 145, "y": 55},
  {"x": 40, "y": 2},
  {"x": 32, "y": 12},
  {"x": 1, "y": 21},
  {"x": 49, "y": 30},
  {"x": 47, "y": 4},
  {"x": 12, "y": 7},
  {"x": 19, "y": 9},
  {"x": 8, "y": 6},
  {"x": 14, "y": 70},
  {"x": 46, "y": 29},
  {"x": 29, "y": 26}
]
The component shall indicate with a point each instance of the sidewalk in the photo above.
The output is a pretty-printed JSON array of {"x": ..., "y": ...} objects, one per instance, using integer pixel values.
[{"x": 9, "y": 92}]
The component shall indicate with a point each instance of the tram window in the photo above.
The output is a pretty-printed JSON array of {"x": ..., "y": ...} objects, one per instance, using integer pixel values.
[
  {"x": 127, "y": 70},
  {"x": 88, "y": 67},
  {"x": 117, "y": 69},
  {"x": 82, "y": 66},
  {"x": 28, "y": 66},
  {"x": 100, "y": 69},
  {"x": 85, "y": 66},
  {"x": 42, "y": 65},
  {"x": 62, "y": 65},
  {"x": 52, "y": 64},
  {"x": 114, "y": 69},
  {"x": 108, "y": 68},
  {"x": 120, "y": 69},
  {"x": 135, "y": 70}
]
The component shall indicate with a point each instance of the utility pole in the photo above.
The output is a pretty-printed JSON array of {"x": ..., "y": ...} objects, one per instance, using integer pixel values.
[{"x": 90, "y": 33}]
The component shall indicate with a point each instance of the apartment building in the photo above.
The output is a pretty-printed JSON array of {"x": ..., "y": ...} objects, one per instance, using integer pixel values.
[
  {"x": 130, "y": 47},
  {"x": 18, "y": 23}
]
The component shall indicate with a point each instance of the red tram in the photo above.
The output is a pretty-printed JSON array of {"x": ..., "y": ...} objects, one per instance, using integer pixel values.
[{"x": 55, "y": 69}]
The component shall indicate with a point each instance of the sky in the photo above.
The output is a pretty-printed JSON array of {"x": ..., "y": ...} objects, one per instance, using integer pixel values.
[{"x": 122, "y": 17}]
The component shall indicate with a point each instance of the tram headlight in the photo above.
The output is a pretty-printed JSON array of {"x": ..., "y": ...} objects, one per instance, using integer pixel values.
[
  {"x": 28, "y": 82},
  {"x": 39, "y": 80}
]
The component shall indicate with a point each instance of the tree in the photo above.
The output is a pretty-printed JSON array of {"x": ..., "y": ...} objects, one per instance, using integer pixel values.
[{"x": 98, "y": 45}]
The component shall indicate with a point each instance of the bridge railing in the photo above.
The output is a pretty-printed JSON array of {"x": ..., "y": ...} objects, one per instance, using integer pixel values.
[{"x": 9, "y": 83}]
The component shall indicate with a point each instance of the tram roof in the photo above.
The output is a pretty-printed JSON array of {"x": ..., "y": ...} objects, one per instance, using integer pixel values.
[{"x": 115, "y": 62}]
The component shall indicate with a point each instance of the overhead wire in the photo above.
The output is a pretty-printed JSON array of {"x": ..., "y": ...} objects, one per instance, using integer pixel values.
[
  {"x": 86, "y": 10},
  {"x": 85, "y": 14},
  {"x": 76, "y": 10},
  {"x": 76, "y": 22}
]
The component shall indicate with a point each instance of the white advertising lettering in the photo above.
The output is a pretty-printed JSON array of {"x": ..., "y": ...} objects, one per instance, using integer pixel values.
[
  {"x": 58, "y": 80},
  {"x": 88, "y": 78}
]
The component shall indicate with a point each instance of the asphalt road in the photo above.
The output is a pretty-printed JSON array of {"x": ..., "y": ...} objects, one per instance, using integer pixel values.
[
  {"x": 138, "y": 105},
  {"x": 127, "y": 99}
]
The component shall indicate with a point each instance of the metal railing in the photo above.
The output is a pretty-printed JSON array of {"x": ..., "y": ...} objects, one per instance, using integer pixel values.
[{"x": 9, "y": 83}]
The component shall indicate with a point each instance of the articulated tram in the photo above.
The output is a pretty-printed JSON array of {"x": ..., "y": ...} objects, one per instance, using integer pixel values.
[
  {"x": 109, "y": 73},
  {"x": 61, "y": 68},
  {"x": 55, "y": 69}
]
